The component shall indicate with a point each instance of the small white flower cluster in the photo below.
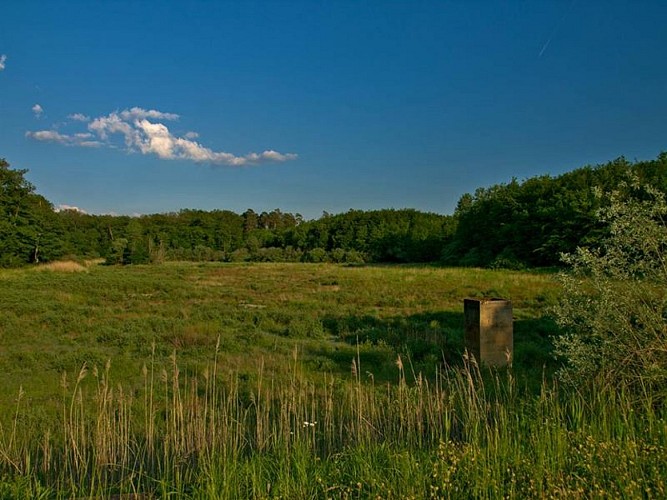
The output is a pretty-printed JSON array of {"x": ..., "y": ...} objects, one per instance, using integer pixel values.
[{"x": 309, "y": 424}]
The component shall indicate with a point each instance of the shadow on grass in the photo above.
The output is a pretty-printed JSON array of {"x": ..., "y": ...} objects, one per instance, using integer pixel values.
[{"x": 425, "y": 342}]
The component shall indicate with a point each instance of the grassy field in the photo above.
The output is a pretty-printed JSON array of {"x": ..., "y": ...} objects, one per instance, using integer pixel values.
[
  {"x": 298, "y": 381},
  {"x": 54, "y": 321}
]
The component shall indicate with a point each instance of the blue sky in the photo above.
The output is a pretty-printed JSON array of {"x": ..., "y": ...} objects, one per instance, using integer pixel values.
[{"x": 143, "y": 107}]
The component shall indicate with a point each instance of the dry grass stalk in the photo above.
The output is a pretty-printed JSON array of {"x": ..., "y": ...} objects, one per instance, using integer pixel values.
[{"x": 63, "y": 266}]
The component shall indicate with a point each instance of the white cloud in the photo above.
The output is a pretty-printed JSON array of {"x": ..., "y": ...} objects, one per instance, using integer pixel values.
[
  {"x": 63, "y": 208},
  {"x": 84, "y": 140},
  {"x": 79, "y": 117},
  {"x": 113, "y": 124},
  {"x": 48, "y": 136},
  {"x": 276, "y": 156},
  {"x": 155, "y": 139},
  {"x": 143, "y": 133},
  {"x": 38, "y": 110},
  {"x": 138, "y": 114},
  {"x": 3, "y": 59}
]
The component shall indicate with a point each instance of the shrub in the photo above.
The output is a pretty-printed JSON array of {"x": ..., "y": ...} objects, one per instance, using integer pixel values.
[
  {"x": 614, "y": 306},
  {"x": 337, "y": 255},
  {"x": 507, "y": 260},
  {"x": 271, "y": 254},
  {"x": 354, "y": 257},
  {"x": 239, "y": 255},
  {"x": 315, "y": 255},
  {"x": 292, "y": 254}
]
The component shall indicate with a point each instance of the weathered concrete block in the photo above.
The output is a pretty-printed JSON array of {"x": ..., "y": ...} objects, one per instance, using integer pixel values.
[{"x": 489, "y": 330}]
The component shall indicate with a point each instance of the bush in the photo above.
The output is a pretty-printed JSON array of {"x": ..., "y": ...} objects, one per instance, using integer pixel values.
[
  {"x": 239, "y": 255},
  {"x": 507, "y": 260},
  {"x": 271, "y": 254},
  {"x": 354, "y": 257},
  {"x": 337, "y": 255},
  {"x": 614, "y": 306},
  {"x": 292, "y": 254},
  {"x": 315, "y": 255}
]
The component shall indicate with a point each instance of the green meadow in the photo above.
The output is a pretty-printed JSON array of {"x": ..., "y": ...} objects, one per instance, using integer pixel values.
[
  {"x": 54, "y": 321},
  {"x": 299, "y": 381}
]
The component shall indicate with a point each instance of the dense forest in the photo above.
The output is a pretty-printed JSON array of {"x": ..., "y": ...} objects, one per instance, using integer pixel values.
[{"x": 518, "y": 224}]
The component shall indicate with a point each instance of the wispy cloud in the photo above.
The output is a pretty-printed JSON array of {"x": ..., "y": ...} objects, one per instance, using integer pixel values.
[
  {"x": 79, "y": 117},
  {"x": 142, "y": 131},
  {"x": 85, "y": 140},
  {"x": 138, "y": 114},
  {"x": 3, "y": 59},
  {"x": 38, "y": 110}
]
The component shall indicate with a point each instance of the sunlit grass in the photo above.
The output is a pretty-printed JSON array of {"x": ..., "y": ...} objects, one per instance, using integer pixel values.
[
  {"x": 54, "y": 322},
  {"x": 205, "y": 435},
  {"x": 299, "y": 381},
  {"x": 62, "y": 266}
]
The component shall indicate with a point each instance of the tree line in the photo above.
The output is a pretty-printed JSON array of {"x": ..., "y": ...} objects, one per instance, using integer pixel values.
[{"x": 516, "y": 224}]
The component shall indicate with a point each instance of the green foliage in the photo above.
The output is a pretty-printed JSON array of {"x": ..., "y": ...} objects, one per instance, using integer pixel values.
[
  {"x": 119, "y": 252},
  {"x": 614, "y": 305},
  {"x": 506, "y": 226},
  {"x": 29, "y": 230},
  {"x": 376, "y": 236},
  {"x": 316, "y": 255},
  {"x": 530, "y": 223}
]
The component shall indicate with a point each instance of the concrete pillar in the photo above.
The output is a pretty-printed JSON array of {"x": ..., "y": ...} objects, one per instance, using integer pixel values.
[{"x": 489, "y": 330}]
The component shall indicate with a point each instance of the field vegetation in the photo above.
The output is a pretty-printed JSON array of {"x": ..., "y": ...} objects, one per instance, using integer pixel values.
[
  {"x": 56, "y": 321},
  {"x": 299, "y": 381},
  {"x": 325, "y": 359}
]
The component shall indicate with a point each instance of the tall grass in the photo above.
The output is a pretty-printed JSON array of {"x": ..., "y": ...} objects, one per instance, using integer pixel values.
[
  {"x": 324, "y": 382},
  {"x": 66, "y": 266},
  {"x": 208, "y": 435},
  {"x": 54, "y": 322}
]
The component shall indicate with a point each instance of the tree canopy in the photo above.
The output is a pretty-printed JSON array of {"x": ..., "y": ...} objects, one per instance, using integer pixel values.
[
  {"x": 29, "y": 229},
  {"x": 518, "y": 224},
  {"x": 532, "y": 223}
]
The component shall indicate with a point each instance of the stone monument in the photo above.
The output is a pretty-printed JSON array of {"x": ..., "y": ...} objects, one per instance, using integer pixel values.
[{"x": 489, "y": 330}]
